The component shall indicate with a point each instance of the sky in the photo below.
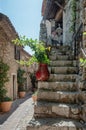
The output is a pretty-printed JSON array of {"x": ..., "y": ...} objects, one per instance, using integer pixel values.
[{"x": 25, "y": 16}]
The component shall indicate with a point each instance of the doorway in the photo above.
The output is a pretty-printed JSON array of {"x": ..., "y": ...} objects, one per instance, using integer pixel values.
[{"x": 14, "y": 87}]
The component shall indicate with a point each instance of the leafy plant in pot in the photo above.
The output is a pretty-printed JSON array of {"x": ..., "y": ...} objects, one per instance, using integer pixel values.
[
  {"x": 40, "y": 56},
  {"x": 34, "y": 97},
  {"x": 5, "y": 101},
  {"x": 21, "y": 80}
]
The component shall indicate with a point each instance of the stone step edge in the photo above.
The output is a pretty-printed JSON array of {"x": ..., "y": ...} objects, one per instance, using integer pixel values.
[
  {"x": 65, "y": 60},
  {"x": 55, "y": 122},
  {"x": 59, "y": 96},
  {"x": 46, "y": 103},
  {"x": 58, "y": 86},
  {"x": 63, "y": 75},
  {"x": 59, "y": 92},
  {"x": 74, "y": 67},
  {"x": 70, "y": 111},
  {"x": 57, "y": 81}
]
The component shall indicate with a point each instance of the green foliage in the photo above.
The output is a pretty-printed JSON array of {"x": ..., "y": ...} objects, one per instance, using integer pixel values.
[
  {"x": 6, "y": 99},
  {"x": 82, "y": 62},
  {"x": 3, "y": 79},
  {"x": 21, "y": 88},
  {"x": 35, "y": 93},
  {"x": 21, "y": 79},
  {"x": 39, "y": 49},
  {"x": 3, "y": 92},
  {"x": 3, "y": 73},
  {"x": 32, "y": 76},
  {"x": 73, "y": 13}
]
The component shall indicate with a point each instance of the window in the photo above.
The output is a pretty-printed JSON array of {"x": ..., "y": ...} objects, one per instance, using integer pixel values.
[{"x": 16, "y": 52}]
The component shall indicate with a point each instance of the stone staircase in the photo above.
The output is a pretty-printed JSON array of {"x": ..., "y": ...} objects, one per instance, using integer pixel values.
[{"x": 57, "y": 107}]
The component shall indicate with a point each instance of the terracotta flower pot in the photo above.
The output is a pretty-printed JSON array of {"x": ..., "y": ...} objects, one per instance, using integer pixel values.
[
  {"x": 34, "y": 97},
  {"x": 42, "y": 74},
  {"x": 22, "y": 94},
  {"x": 6, "y": 106}
]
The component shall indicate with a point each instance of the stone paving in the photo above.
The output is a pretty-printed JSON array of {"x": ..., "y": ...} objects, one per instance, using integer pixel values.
[{"x": 19, "y": 119}]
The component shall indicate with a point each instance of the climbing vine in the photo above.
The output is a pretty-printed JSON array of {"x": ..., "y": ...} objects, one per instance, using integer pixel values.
[{"x": 73, "y": 14}]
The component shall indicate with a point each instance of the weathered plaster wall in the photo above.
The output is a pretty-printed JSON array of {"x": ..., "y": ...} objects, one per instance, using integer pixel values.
[
  {"x": 79, "y": 13},
  {"x": 43, "y": 32},
  {"x": 67, "y": 18},
  {"x": 67, "y": 34},
  {"x": 48, "y": 26}
]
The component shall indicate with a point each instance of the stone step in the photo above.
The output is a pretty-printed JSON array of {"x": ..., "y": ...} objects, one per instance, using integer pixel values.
[
  {"x": 62, "y": 77},
  {"x": 64, "y": 70},
  {"x": 55, "y": 124},
  {"x": 64, "y": 57},
  {"x": 63, "y": 63},
  {"x": 62, "y": 49},
  {"x": 58, "y": 86},
  {"x": 47, "y": 109},
  {"x": 60, "y": 57},
  {"x": 59, "y": 96}
]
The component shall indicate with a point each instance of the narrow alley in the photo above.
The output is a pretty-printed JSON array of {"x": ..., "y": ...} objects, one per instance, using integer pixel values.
[
  {"x": 43, "y": 74},
  {"x": 20, "y": 117}
]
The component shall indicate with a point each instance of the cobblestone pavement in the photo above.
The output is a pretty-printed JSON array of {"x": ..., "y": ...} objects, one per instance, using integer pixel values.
[{"x": 19, "y": 119}]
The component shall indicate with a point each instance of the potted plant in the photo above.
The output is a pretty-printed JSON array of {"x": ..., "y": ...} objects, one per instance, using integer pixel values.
[
  {"x": 40, "y": 56},
  {"x": 21, "y": 91},
  {"x": 21, "y": 81},
  {"x": 34, "y": 96},
  {"x": 5, "y": 101},
  {"x": 6, "y": 104}
]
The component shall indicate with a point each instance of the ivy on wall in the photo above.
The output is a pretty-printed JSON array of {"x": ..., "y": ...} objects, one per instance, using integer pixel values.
[{"x": 73, "y": 14}]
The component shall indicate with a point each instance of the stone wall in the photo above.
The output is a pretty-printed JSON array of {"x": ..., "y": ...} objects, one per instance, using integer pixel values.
[
  {"x": 67, "y": 34},
  {"x": 83, "y": 94},
  {"x": 68, "y": 20},
  {"x": 43, "y": 32},
  {"x": 79, "y": 13}
]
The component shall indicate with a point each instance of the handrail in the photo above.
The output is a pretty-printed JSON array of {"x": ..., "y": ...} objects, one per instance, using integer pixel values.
[
  {"x": 76, "y": 34},
  {"x": 76, "y": 47}
]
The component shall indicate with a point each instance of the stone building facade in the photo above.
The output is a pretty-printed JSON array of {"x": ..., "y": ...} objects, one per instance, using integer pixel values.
[
  {"x": 7, "y": 52},
  {"x": 10, "y": 53},
  {"x": 83, "y": 85}
]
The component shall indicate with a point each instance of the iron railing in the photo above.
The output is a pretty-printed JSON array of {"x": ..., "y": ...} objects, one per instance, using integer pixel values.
[{"x": 77, "y": 41}]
